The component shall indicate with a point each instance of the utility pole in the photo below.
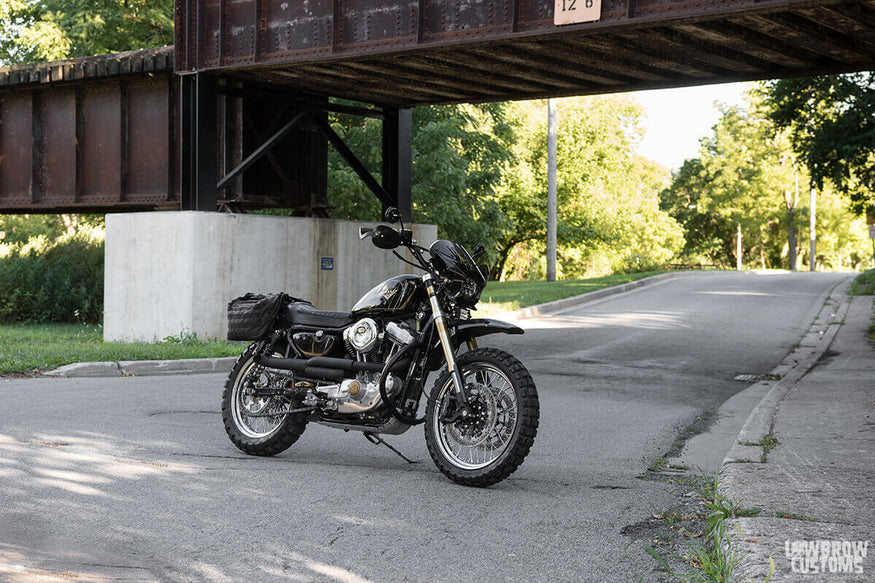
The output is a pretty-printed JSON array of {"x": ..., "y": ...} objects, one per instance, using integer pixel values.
[
  {"x": 812, "y": 259},
  {"x": 551, "y": 190},
  {"x": 738, "y": 249},
  {"x": 791, "y": 226}
]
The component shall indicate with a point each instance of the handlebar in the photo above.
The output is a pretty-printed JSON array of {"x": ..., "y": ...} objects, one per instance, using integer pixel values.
[{"x": 389, "y": 238}]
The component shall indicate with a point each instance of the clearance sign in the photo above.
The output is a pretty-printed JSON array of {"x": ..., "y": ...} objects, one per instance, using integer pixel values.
[{"x": 575, "y": 11}]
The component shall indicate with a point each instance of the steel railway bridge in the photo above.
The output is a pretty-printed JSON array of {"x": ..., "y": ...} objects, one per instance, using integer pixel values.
[{"x": 233, "y": 115}]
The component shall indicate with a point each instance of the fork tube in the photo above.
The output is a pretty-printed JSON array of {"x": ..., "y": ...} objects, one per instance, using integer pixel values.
[{"x": 440, "y": 322}]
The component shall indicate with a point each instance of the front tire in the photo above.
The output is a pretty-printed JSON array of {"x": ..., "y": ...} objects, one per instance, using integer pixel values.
[
  {"x": 491, "y": 443},
  {"x": 243, "y": 411}
]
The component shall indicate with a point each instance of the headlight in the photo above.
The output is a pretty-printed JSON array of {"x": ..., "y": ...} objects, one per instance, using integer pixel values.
[{"x": 468, "y": 294}]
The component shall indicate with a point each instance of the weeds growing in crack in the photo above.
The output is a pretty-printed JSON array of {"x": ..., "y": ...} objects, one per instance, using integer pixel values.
[
  {"x": 657, "y": 464},
  {"x": 794, "y": 516},
  {"x": 706, "y": 556},
  {"x": 768, "y": 443}
]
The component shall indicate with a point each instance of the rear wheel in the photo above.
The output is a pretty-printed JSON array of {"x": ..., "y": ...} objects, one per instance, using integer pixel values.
[
  {"x": 256, "y": 423},
  {"x": 491, "y": 442}
]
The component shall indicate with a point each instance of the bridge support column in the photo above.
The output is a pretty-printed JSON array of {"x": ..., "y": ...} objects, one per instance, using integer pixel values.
[
  {"x": 173, "y": 272},
  {"x": 198, "y": 120},
  {"x": 397, "y": 158}
]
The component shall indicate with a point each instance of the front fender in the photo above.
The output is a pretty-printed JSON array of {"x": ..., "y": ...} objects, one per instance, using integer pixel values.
[{"x": 464, "y": 330}]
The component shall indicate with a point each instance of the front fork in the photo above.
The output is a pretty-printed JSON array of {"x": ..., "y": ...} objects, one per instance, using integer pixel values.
[{"x": 440, "y": 322}]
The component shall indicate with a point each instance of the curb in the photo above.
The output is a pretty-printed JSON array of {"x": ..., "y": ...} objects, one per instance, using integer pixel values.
[
  {"x": 126, "y": 368},
  {"x": 795, "y": 365}
]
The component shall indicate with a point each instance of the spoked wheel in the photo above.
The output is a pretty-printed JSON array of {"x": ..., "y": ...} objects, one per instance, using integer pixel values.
[
  {"x": 488, "y": 444},
  {"x": 256, "y": 423}
]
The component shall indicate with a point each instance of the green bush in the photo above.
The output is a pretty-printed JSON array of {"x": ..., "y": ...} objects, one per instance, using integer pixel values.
[{"x": 53, "y": 281}]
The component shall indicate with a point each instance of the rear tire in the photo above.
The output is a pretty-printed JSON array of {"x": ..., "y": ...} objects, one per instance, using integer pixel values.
[
  {"x": 488, "y": 446},
  {"x": 264, "y": 436}
]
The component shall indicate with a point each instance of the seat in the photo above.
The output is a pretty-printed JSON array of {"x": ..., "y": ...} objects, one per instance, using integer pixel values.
[{"x": 304, "y": 314}]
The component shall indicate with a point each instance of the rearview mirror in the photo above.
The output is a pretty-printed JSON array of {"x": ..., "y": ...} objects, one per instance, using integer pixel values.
[
  {"x": 392, "y": 215},
  {"x": 386, "y": 237}
]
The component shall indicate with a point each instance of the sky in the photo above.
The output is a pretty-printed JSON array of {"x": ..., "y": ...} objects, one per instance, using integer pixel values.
[{"x": 676, "y": 119}]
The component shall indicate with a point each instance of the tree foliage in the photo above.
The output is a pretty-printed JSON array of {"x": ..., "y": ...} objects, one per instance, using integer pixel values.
[
  {"x": 831, "y": 121},
  {"x": 746, "y": 176},
  {"x": 609, "y": 218},
  {"x": 739, "y": 179},
  {"x": 480, "y": 174},
  {"x": 45, "y": 30},
  {"x": 19, "y": 229},
  {"x": 57, "y": 280}
]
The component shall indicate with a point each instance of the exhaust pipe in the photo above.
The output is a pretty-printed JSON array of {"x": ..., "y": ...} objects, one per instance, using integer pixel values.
[{"x": 327, "y": 367}]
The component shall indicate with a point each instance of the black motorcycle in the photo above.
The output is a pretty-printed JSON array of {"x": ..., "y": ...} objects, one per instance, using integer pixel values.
[{"x": 365, "y": 370}]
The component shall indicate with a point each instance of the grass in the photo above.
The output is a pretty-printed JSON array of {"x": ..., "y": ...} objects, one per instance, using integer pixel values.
[
  {"x": 30, "y": 348},
  {"x": 768, "y": 443},
  {"x": 707, "y": 556},
  {"x": 794, "y": 516},
  {"x": 506, "y": 296},
  {"x": 657, "y": 464},
  {"x": 864, "y": 284}
]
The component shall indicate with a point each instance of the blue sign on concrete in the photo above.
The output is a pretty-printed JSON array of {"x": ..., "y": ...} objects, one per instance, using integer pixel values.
[{"x": 327, "y": 264}]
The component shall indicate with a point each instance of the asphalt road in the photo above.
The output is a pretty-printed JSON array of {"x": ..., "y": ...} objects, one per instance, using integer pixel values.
[{"x": 134, "y": 479}]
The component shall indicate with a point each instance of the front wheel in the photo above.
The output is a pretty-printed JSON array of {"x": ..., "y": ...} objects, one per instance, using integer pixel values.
[{"x": 491, "y": 442}]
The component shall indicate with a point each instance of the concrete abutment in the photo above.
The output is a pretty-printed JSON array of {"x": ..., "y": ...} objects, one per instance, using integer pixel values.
[{"x": 174, "y": 272}]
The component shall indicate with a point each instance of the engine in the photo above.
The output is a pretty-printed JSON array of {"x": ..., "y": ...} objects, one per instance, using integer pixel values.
[
  {"x": 366, "y": 342},
  {"x": 362, "y": 338}
]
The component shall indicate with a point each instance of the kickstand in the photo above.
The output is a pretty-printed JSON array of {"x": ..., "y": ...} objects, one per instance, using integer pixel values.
[{"x": 377, "y": 440}]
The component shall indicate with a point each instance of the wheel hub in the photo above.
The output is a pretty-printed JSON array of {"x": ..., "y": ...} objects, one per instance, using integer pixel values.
[
  {"x": 476, "y": 427},
  {"x": 254, "y": 405}
]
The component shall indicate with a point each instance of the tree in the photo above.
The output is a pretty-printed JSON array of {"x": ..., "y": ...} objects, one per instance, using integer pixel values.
[
  {"x": 41, "y": 30},
  {"x": 740, "y": 178},
  {"x": 707, "y": 234},
  {"x": 746, "y": 175},
  {"x": 459, "y": 155},
  {"x": 19, "y": 229},
  {"x": 842, "y": 237},
  {"x": 831, "y": 120},
  {"x": 608, "y": 214}
]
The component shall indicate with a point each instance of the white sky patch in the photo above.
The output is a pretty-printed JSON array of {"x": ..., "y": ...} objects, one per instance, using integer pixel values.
[{"x": 676, "y": 119}]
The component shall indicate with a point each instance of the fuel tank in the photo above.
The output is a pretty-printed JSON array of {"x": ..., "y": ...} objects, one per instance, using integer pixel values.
[{"x": 395, "y": 295}]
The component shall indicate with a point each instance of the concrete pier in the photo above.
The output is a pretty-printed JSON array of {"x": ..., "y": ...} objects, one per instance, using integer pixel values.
[{"x": 170, "y": 273}]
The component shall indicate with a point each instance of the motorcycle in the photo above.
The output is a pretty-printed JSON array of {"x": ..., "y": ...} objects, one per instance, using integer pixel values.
[{"x": 366, "y": 370}]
